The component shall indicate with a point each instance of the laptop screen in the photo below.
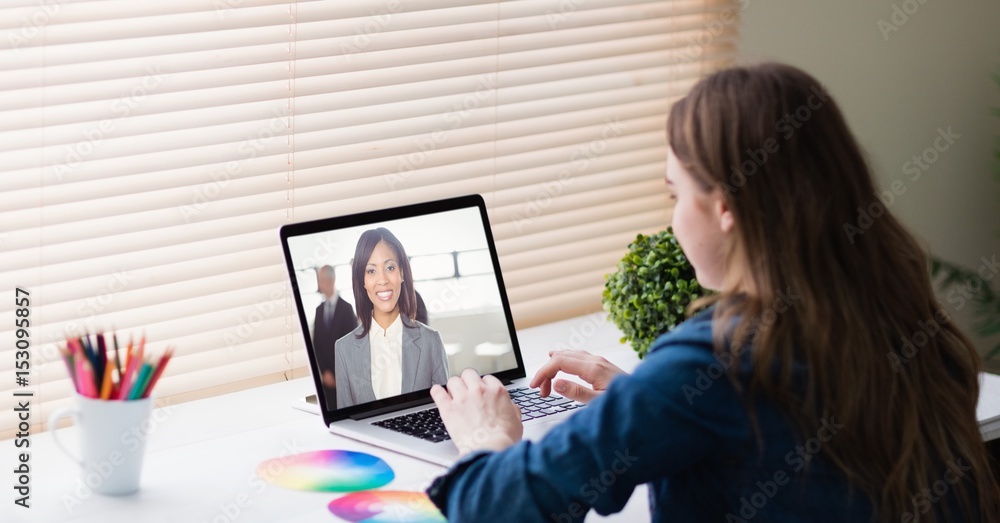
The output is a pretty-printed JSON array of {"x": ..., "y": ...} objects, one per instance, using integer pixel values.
[{"x": 394, "y": 301}]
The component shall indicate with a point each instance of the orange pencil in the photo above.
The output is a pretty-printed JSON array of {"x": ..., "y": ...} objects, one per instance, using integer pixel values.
[
  {"x": 128, "y": 353},
  {"x": 106, "y": 383}
]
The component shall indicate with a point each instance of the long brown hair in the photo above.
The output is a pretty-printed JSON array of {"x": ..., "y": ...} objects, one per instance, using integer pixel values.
[{"x": 882, "y": 357}]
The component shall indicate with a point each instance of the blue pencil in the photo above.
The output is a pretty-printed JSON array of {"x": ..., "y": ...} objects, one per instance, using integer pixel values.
[{"x": 102, "y": 357}]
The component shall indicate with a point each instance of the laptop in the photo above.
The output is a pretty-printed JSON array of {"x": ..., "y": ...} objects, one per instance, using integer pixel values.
[{"x": 427, "y": 278}]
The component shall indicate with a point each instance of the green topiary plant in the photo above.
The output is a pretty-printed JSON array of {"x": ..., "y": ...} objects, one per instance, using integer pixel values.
[{"x": 651, "y": 289}]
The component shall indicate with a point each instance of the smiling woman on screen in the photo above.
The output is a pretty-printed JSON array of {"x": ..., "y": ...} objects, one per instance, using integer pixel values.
[{"x": 390, "y": 352}]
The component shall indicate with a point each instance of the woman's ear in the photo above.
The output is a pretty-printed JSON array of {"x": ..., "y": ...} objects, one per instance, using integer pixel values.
[{"x": 723, "y": 215}]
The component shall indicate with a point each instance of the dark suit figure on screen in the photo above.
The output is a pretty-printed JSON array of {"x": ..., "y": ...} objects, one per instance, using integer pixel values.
[
  {"x": 390, "y": 352},
  {"x": 335, "y": 318}
]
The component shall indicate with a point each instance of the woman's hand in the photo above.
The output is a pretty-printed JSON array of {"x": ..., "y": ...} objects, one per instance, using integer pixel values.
[
  {"x": 595, "y": 370},
  {"x": 478, "y": 412}
]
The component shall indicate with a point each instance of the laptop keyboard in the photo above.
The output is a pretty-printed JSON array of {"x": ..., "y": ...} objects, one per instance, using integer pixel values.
[
  {"x": 534, "y": 406},
  {"x": 427, "y": 424}
]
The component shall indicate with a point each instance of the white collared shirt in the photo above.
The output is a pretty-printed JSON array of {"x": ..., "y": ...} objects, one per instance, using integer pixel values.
[{"x": 387, "y": 358}]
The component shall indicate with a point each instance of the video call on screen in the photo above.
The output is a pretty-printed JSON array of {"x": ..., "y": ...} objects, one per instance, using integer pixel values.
[{"x": 458, "y": 315}]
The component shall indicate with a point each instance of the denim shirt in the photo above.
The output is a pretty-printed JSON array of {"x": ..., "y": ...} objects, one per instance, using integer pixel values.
[{"x": 677, "y": 424}]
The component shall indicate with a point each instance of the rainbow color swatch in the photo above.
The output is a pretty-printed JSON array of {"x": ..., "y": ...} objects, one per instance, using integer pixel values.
[
  {"x": 327, "y": 471},
  {"x": 386, "y": 506}
]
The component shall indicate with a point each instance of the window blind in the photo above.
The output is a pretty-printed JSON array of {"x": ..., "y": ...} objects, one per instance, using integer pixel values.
[{"x": 149, "y": 151}]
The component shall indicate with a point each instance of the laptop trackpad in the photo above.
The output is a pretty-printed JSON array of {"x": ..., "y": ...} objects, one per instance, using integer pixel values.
[{"x": 536, "y": 430}]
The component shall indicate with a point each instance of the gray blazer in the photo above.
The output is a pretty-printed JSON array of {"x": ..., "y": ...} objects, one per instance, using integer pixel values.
[{"x": 424, "y": 363}]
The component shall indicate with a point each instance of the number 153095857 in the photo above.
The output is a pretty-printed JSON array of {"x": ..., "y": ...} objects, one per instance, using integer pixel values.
[{"x": 22, "y": 320}]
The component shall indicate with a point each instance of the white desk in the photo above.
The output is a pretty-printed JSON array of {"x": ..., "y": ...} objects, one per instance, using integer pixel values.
[
  {"x": 988, "y": 409},
  {"x": 201, "y": 459}
]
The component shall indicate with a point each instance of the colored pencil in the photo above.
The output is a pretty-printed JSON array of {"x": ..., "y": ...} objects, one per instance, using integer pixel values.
[
  {"x": 87, "y": 377},
  {"x": 78, "y": 341},
  {"x": 128, "y": 352},
  {"x": 140, "y": 381},
  {"x": 81, "y": 387},
  {"x": 88, "y": 353},
  {"x": 74, "y": 346},
  {"x": 94, "y": 382},
  {"x": 134, "y": 362},
  {"x": 87, "y": 349},
  {"x": 76, "y": 353},
  {"x": 159, "y": 370},
  {"x": 94, "y": 376},
  {"x": 68, "y": 359},
  {"x": 118, "y": 360},
  {"x": 102, "y": 355},
  {"x": 106, "y": 383}
]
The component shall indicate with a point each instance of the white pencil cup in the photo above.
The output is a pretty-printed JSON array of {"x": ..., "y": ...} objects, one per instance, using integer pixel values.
[{"x": 112, "y": 441}]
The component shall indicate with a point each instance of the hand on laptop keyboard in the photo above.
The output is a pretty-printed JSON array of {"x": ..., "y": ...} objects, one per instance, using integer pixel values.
[
  {"x": 427, "y": 424},
  {"x": 595, "y": 370},
  {"x": 478, "y": 413},
  {"x": 534, "y": 406}
]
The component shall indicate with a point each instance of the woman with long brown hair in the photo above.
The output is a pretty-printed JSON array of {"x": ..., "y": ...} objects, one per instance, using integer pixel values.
[{"x": 821, "y": 382}]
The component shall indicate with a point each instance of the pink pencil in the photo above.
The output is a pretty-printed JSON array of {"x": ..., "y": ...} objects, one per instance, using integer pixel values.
[
  {"x": 159, "y": 370},
  {"x": 87, "y": 377},
  {"x": 80, "y": 381},
  {"x": 126, "y": 384},
  {"x": 79, "y": 357},
  {"x": 74, "y": 346}
]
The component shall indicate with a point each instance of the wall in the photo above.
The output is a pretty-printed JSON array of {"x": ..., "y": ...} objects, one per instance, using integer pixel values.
[{"x": 898, "y": 82}]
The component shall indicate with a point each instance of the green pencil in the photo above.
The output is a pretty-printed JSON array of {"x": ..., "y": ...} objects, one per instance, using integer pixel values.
[{"x": 140, "y": 381}]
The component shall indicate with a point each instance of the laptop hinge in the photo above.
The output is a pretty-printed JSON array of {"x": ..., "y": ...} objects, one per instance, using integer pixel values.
[{"x": 393, "y": 408}]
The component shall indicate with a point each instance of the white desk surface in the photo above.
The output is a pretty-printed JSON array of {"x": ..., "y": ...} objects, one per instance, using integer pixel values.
[
  {"x": 201, "y": 460},
  {"x": 988, "y": 409}
]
